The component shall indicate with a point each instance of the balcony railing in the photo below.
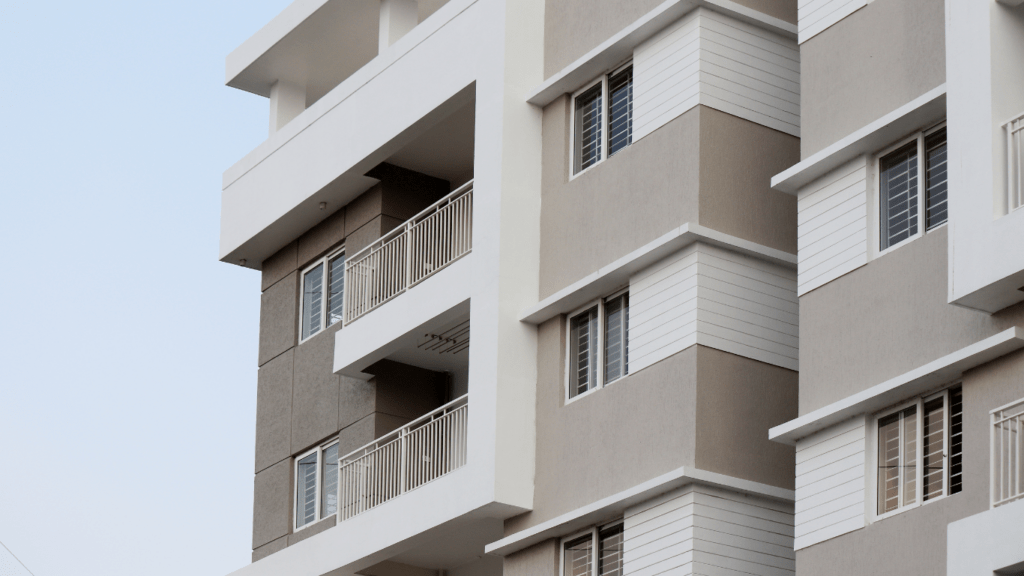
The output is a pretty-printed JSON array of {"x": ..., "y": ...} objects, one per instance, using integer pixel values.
[
  {"x": 1014, "y": 162},
  {"x": 410, "y": 254},
  {"x": 1008, "y": 453},
  {"x": 423, "y": 450}
]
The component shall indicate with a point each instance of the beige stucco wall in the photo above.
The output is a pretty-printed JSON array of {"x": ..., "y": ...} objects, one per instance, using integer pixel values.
[
  {"x": 867, "y": 65},
  {"x": 574, "y": 27},
  {"x": 704, "y": 167},
  {"x": 914, "y": 542},
  {"x": 884, "y": 319},
  {"x": 700, "y": 407}
]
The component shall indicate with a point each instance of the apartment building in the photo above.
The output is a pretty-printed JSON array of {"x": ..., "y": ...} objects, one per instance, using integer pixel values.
[
  {"x": 910, "y": 279},
  {"x": 535, "y": 276}
]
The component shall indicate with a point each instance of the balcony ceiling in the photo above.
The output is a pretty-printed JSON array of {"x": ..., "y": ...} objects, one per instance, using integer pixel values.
[{"x": 444, "y": 151}]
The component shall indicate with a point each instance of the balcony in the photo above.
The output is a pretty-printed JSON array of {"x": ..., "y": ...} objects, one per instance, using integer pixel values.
[
  {"x": 426, "y": 244},
  {"x": 1007, "y": 454},
  {"x": 1014, "y": 130},
  {"x": 419, "y": 452}
]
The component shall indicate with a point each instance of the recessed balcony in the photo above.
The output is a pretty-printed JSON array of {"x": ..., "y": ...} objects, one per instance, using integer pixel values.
[
  {"x": 421, "y": 247},
  {"x": 397, "y": 463}
]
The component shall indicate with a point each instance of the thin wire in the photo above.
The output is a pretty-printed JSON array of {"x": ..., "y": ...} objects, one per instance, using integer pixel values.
[{"x": 15, "y": 557}]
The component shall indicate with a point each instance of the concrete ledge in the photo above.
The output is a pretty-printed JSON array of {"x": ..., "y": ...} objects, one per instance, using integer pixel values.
[
  {"x": 619, "y": 47},
  {"x": 922, "y": 112},
  {"x": 617, "y": 274},
  {"x": 617, "y": 504},
  {"x": 987, "y": 543},
  {"x": 918, "y": 381}
]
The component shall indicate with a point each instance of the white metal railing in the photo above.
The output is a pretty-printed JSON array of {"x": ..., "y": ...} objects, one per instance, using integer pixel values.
[
  {"x": 1014, "y": 162},
  {"x": 409, "y": 254},
  {"x": 423, "y": 450},
  {"x": 1008, "y": 453}
]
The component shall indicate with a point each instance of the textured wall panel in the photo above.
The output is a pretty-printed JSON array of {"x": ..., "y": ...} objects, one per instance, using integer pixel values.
[
  {"x": 703, "y": 530},
  {"x": 830, "y": 482},
  {"x": 711, "y": 59},
  {"x": 717, "y": 298},
  {"x": 832, "y": 225}
]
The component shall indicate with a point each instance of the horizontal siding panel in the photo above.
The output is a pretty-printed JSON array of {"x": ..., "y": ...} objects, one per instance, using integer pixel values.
[
  {"x": 728, "y": 531},
  {"x": 813, "y": 204},
  {"x": 785, "y": 329},
  {"x": 709, "y": 58},
  {"x": 838, "y": 529},
  {"x": 744, "y": 333},
  {"x": 831, "y": 469},
  {"x": 844, "y": 226},
  {"x": 816, "y": 16},
  {"x": 830, "y": 215},
  {"x": 830, "y": 481},
  {"x": 816, "y": 495},
  {"x": 774, "y": 539},
  {"x": 750, "y": 267},
  {"x": 855, "y": 261},
  {"x": 829, "y": 508}
]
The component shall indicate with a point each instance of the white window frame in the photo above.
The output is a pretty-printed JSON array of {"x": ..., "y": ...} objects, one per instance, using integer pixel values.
[
  {"x": 872, "y": 453},
  {"x": 319, "y": 451},
  {"x": 922, "y": 190},
  {"x": 598, "y": 357},
  {"x": 605, "y": 109},
  {"x": 325, "y": 287},
  {"x": 595, "y": 544}
]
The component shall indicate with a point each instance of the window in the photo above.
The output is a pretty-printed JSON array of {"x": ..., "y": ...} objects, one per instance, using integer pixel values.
[
  {"x": 597, "y": 552},
  {"x": 323, "y": 298},
  {"x": 602, "y": 119},
  {"x": 598, "y": 347},
  {"x": 316, "y": 484},
  {"x": 900, "y": 194},
  {"x": 920, "y": 451}
]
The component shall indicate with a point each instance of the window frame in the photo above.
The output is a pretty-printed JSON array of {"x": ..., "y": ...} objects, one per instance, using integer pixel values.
[
  {"x": 920, "y": 138},
  {"x": 325, "y": 287},
  {"x": 598, "y": 358},
  {"x": 595, "y": 544},
  {"x": 872, "y": 454},
  {"x": 605, "y": 110},
  {"x": 319, "y": 451}
]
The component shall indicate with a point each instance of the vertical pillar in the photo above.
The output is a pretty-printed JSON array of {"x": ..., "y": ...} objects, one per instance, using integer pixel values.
[
  {"x": 397, "y": 18},
  {"x": 287, "y": 100}
]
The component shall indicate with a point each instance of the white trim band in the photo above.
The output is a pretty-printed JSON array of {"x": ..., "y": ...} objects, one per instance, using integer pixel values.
[
  {"x": 945, "y": 370},
  {"x": 616, "y": 504},
  {"x": 920, "y": 113},
  {"x": 616, "y": 274}
]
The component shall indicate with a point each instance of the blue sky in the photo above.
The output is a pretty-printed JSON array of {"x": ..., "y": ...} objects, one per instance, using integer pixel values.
[{"x": 127, "y": 352}]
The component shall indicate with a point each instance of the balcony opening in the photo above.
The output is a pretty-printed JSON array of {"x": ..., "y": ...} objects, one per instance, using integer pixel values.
[
  {"x": 442, "y": 233},
  {"x": 428, "y": 375}
]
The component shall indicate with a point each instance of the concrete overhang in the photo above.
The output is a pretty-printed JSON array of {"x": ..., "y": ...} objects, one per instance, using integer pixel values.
[
  {"x": 619, "y": 47},
  {"x": 943, "y": 371},
  {"x": 615, "y": 505},
  {"x": 922, "y": 112},
  {"x": 616, "y": 275},
  {"x": 312, "y": 43}
]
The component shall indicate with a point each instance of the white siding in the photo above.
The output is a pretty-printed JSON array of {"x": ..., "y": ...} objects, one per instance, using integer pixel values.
[
  {"x": 702, "y": 530},
  {"x": 714, "y": 297},
  {"x": 710, "y": 59},
  {"x": 830, "y": 480},
  {"x": 832, "y": 225},
  {"x": 816, "y": 15}
]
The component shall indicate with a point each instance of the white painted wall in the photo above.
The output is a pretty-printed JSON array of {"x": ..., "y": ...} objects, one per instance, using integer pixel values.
[
  {"x": 988, "y": 542},
  {"x": 707, "y": 295},
  {"x": 832, "y": 225},
  {"x": 985, "y": 84},
  {"x": 711, "y": 59},
  {"x": 698, "y": 529},
  {"x": 815, "y": 16},
  {"x": 830, "y": 482}
]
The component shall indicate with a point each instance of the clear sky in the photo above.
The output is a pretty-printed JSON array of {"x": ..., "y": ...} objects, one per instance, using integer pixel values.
[{"x": 127, "y": 352}]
